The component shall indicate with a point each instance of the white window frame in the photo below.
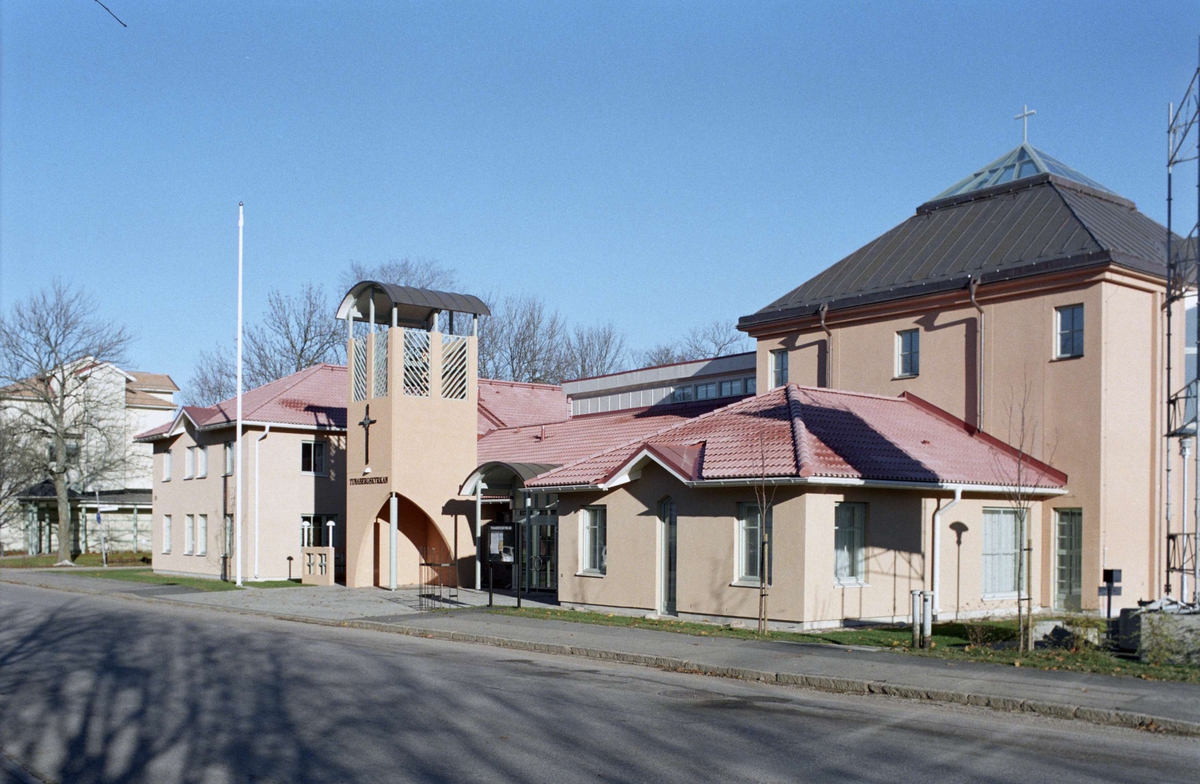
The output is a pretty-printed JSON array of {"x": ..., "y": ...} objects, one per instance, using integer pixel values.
[
  {"x": 313, "y": 457},
  {"x": 779, "y": 368},
  {"x": 593, "y": 540},
  {"x": 189, "y": 534},
  {"x": 996, "y": 556},
  {"x": 743, "y": 549},
  {"x": 202, "y": 534},
  {"x": 166, "y": 541},
  {"x": 1059, "y": 332},
  {"x": 913, "y": 354},
  {"x": 189, "y": 463},
  {"x": 229, "y": 458},
  {"x": 201, "y": 462},
  {"x": 850, "y": 535},
  {"x": 166, "y": 471}
]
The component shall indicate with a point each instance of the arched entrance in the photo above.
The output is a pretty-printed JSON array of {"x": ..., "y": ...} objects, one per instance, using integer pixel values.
[{"x": 418, "y": 541}]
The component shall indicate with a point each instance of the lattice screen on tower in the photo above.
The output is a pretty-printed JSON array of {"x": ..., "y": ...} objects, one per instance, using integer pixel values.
[
  {"x": 454, "y": 367},
  {"x": 381, "y": 363},
  {"x": 416, "y": 363},
  {"x": 359, "y": 348}
]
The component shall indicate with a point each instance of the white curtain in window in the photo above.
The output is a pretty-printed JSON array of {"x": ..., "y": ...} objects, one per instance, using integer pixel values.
[{"x": 1001, "y": 543}]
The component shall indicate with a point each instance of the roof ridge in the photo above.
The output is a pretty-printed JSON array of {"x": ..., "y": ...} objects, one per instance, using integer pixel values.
[
  {"x": 1103, "y": 246},
  {"x": 848, "y": 392},
  {"x": 799, "y": 432},
  {"x": 519, "y": 383},
  {"x": 648, "y": 438}
]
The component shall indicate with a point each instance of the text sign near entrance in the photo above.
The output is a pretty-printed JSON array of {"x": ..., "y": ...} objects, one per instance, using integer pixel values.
[
  {"x": 368, "y": 480},
  {"x": 498, "y": 552}
]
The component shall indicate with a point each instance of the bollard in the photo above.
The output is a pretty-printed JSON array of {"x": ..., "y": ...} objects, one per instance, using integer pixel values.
[
  {"x": 916, "y": 619},
  {"x": 926, "y": 619}
]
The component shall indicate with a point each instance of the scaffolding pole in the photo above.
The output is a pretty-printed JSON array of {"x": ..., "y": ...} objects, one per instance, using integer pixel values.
[{"x": 1183, "y": 264}]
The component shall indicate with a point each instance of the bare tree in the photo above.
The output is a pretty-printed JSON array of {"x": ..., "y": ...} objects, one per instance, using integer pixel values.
[
  {"x": 716, "y": 339},
  {"x": 1018, "y": 484},
  {"x": 764, "y": 496},
  {"x": 297, "y": 331},
  {"x": 664, "y": 354},
  {"x": 595, "y": 351},
  {"x": 56, "y": 358},
  {"x": 523, "y": 340},
  {"x": 18, "y": 471},
  {"x": 417, "y": 272}
]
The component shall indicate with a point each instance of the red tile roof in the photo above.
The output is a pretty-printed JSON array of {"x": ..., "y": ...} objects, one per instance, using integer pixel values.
[
  {"x": 583, "y": 436},
  {"x": 314, "y": 397},
  {"x": 512, "y": 404},
  {"x": 808, "y": 432}
]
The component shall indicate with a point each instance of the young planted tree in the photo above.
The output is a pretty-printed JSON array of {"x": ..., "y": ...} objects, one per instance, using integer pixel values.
[
  {"x": 60, "y": 391},
  {"x": 764, "y": 496},
  {"x": 1023, "y": 436}
]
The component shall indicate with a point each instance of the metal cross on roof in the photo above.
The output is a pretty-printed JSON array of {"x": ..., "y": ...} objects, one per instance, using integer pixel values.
[
  {"x": 1024, "y": 118},
  {"x": 365, "y": 424}
]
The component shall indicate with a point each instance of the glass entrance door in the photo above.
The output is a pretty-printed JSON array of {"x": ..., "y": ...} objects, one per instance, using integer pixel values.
[
  {"x": 1069, "y": 557},
  {"x": 541, "y": 561},
  {"x": 670, "y": 556}
]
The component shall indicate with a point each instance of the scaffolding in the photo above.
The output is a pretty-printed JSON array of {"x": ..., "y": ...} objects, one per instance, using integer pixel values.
[{"x": 1183, "y": 146}]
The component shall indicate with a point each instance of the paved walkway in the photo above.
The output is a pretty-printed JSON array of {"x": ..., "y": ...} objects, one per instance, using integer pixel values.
[{"x": 1103, "y": 699}]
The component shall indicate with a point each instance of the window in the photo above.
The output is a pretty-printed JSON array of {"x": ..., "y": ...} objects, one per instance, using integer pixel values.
[
  {"x": 1001, "y": 546},
  {"x": 189, "y": 465},
  {"x": 682, "y": 394},
  {"x": 317, "y": 530},
  {"x": 779, "y": 368},
  {"x": 706, "y": 391},
  {"x": 908, "y": 353},
  {"x": 228, "y": 534},
  {"x": 312, "y": 457},
  {"x": 189, "y": 533},
  {"x": 167, "y": 466},
  {"x": 750, "y": 541},
  {"x": 228, "y": 458},
  {"x": 731, "y": 388},
  {"x": 201, "y": 462},
  {"x": 752, "y": 386},
  {"x": 201, "y": 534},
  {"x": 594, "y": 539},
  {"x": 849, "y": 541},
  {"x": 166, "y": 542},
  {"x": 1070, "y": 331}
]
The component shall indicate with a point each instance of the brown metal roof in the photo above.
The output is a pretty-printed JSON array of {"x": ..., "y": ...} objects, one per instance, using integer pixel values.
[{"x": 1035, "y": 225}]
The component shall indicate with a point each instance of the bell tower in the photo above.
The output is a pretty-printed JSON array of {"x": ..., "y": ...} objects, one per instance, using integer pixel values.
[{"x": 411, "y": 415}]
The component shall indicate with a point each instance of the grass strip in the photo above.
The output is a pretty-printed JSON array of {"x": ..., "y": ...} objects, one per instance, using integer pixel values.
[
  {"x": 951, "y": 641},
  {"x": 147, "y": 576},
  {"x": 84, "y": 559}
]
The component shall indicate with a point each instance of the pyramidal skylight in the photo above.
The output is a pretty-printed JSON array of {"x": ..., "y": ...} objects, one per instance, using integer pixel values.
[{"x": 1022, "y": 162}]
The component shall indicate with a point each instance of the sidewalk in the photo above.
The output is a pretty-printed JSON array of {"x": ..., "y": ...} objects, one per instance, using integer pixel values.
[{"x": 1167, "y": 706}]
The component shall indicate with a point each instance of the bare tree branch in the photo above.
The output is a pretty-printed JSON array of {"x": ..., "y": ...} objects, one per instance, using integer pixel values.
[
  {"x": 60, "y": 386},
  {"x": 418, "y": 272}
]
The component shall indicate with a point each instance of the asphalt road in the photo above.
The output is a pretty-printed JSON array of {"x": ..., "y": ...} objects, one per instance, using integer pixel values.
[{"x": 109, "y": 689}]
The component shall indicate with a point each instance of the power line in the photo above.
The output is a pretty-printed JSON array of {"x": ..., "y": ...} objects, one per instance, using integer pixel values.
[{"x": 110, "y": 13}]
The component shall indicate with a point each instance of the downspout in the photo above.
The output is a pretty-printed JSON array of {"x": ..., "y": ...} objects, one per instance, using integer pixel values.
[
  {"x": 937, "y": 550},
  {"x": 822, "y": 312},
  {"x": 972, "y": 286},
  {"x": 257, "y": 441}
]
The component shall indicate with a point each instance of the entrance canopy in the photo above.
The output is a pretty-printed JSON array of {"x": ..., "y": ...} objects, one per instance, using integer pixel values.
[
  {"x": 412, "y": 305},
  {"x": 499, "y": 474}
]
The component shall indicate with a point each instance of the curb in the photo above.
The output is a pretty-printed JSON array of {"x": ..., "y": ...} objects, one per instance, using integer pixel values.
[{"x": 1102, "y": 716}]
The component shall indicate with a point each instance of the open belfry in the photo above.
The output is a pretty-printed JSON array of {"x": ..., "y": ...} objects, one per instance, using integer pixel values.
[{"x": 411, "y": 432}]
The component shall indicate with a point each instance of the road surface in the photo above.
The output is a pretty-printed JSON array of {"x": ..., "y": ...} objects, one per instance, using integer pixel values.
[{"x": 97, "y": 688}]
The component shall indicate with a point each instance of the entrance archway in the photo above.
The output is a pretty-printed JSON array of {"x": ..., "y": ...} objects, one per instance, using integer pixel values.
[{"x": 419, "y": 541}]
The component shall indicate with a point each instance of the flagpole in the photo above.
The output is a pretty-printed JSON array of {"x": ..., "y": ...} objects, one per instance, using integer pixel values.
[{"x": 237, "y": 455}]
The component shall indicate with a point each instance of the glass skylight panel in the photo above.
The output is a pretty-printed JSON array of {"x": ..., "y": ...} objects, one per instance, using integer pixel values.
[{"x": 1018, "y": 164}]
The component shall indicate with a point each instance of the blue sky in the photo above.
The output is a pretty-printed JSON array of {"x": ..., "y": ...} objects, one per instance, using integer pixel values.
[{"x": 659, "y": 164}]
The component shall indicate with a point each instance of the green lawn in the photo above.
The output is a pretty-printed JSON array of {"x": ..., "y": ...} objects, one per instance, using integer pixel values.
[
  {"x": 147, "y": 576},
  {"x": 85, "y": 559},
  {"x": 950, "y": 641}
]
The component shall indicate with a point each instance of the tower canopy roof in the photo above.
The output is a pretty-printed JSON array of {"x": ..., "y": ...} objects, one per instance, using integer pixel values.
[
  {"x": 1017, "y": 164},
  {"x": 413, "y": 305}
]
